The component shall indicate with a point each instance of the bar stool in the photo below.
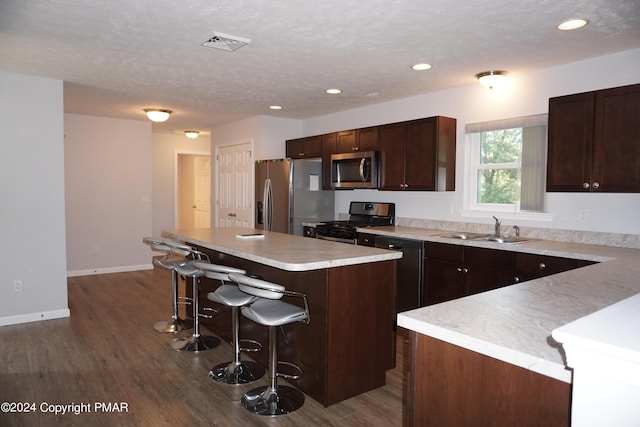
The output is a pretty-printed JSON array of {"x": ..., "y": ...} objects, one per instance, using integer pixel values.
[
  {"x": 272, "y": 399},
  {"x": 196, "y": 342},
  {"x": 174, "y": 255},
  {"x": 237, "y": 371}
]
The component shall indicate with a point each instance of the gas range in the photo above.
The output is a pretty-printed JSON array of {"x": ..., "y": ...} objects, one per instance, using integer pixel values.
[{"x": 361, "y": 214}]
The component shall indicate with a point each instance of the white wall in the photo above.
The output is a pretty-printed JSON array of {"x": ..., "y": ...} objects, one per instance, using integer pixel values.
[
  {"x": 108, "y": 193},
  {"x": 32, "y": 208},
  {"x": 527, "y": 94},
  {"x": 165, "y": 148},
  {"x": 267, "y": 133}
]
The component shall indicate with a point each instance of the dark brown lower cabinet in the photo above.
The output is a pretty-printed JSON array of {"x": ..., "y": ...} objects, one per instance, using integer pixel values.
[
  {"x": 453, "y": 271},
  {"x": 533, "y": 266},
  {"x": 453, "y": 386}
]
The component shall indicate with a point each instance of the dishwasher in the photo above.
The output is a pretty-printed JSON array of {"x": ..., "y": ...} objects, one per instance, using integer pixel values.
[{"x": 408, "y": 270}]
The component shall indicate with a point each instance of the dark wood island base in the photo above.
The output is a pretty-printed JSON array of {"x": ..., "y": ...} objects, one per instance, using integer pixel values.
[{"x": 350, "y": 342}]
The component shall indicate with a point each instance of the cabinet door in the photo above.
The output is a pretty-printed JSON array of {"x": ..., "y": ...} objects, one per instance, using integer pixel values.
[
  {"x": 294, "y": 148},
  {"x": 367, "y": 139},
  {"x": 570, "y": 142},
  {"x": 443, "y": 272},
  {"x": 307, "y": 147},
  {"x": 420, "y": 162},
  {"x": 616, "y": 142},
  {"x": 442, "y": 281},
  {"x": 329, "y": 147},
  {"x": 391, "y": 139},
  {"x": 346, "y": 141},
  {"x": 487, "y": 269}
]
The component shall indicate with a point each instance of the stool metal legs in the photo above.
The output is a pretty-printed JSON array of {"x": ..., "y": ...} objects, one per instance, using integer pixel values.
[
  {"x": 237, "y": 372},
  {"x": 175, "y": 324},
  {"x": 273, "y": 399},
  {"x": 196, "y": 342}
]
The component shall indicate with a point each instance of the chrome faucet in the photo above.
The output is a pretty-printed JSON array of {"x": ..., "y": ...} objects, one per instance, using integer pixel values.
[
  {"x": 497, "y": 229},
  {"x": 517, "y": 230}
]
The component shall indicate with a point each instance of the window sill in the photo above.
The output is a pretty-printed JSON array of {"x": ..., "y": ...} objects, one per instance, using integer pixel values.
[{"x": 523, "y": 216}]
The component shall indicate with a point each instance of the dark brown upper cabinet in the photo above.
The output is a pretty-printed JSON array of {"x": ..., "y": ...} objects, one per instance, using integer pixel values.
[
  {"x": 304, "y": 148},
  {"x": 418, "y": 154},
  {"x": 364, "y": 139},
  {"x": 594, "y": 141}
]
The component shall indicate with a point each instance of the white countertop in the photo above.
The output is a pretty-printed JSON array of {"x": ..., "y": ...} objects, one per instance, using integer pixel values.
[
  {"x": 279, "y": 250},
  {"x": 613, "y": 331},
  {"x": 514, "y": 323}
]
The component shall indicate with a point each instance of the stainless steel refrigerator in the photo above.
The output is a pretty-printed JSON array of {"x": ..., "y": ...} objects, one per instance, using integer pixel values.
[{"x": 288, "y": 193}]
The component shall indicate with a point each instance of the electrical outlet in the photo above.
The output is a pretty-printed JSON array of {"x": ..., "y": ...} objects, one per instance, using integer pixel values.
[
  {"x": 18, "y": 286},
  {"x": 583, "y": 215}
]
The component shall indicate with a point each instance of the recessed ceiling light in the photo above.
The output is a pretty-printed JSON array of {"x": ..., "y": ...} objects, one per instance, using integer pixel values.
[
  {"x": 421, "y": 67},
  {"x": 276, "y": 107},
  {"x": 334, "y": 91},
  {"x": 572, "y": 24}
]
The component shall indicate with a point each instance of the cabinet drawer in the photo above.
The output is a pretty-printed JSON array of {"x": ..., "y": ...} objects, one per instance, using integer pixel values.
[
  {"x": 366, "y": 239},
  {"x": 444, "y": 251},
  {"x": 541, "y": 265}
]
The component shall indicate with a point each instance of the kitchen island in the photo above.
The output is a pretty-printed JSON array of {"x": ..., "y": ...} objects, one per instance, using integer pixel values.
[
  {"x": 349, "y": 344},
  {"x": 490, "y": 358}
]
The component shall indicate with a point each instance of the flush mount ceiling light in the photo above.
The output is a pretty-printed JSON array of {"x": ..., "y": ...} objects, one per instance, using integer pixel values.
[
  {"x": 492, "y": 78},
  {"x": 572, "y": 24},
  {"x": 333, "y": 91},
  {"x": 191, "y": 134},
  {"x": 156, "y": 115},
  {"x": 226, "y": 42},
  {"x": 421, "y": 67}
]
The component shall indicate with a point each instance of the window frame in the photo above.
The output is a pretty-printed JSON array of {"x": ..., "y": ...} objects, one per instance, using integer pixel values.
[{"x": 472, "y": 208}]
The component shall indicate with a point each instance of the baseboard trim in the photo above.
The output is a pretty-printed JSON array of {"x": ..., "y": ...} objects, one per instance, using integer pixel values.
[
  {"x": 34, "y": 317},
  {"x": 108, "y": 270}
]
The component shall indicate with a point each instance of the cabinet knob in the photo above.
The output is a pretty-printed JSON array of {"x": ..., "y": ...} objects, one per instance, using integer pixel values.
[
  {"x": 585, "y": 185},
  {"x": 542, "y": 266},
  {"x": 596, "y": 185},
  {"x": 516, "y": 279}
]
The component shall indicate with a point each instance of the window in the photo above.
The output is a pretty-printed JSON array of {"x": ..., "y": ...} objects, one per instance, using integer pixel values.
[{"x": 507, "y": 164}]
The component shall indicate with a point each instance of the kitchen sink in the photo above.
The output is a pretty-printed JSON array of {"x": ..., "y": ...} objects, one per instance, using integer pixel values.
[
  {"x": 463, "y": 235},
  {"x": 500, "y": 239},
  {"x": 481, "y": 237}
]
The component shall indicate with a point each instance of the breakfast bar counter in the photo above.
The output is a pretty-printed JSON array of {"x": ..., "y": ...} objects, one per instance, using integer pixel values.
[{"x": 349, "y": 344}]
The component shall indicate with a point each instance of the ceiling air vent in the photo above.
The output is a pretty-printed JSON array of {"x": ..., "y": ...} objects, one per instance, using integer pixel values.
[{"x": 225, "y": 42}]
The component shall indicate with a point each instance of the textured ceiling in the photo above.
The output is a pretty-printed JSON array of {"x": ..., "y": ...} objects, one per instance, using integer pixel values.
[{"x": 117, "y": 57}]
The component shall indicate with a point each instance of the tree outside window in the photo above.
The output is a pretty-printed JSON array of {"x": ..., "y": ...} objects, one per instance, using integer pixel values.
[{"x": 499, "y": 169}]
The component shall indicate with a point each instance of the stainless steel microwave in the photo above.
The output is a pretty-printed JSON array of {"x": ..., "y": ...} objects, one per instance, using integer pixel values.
[{"x": 355, "y": 170}]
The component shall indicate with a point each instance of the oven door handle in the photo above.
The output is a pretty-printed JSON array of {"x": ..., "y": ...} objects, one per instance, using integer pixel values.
[{"x": 336, "y": 239}]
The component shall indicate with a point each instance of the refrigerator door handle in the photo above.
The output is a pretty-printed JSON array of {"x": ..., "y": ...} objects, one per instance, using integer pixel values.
[{"x": 268, "y": 205}]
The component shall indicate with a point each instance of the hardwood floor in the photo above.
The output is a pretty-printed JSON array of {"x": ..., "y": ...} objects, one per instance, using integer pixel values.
[{"x": 107, "y": 352}]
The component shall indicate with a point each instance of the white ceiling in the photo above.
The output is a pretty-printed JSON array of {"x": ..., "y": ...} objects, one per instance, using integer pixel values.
[{"x": 117, "y": 57}]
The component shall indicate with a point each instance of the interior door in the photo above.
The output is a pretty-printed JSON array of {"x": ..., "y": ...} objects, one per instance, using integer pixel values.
[
  {"x": 202, "y": 192},
  {"x": 234, "y": 204}
]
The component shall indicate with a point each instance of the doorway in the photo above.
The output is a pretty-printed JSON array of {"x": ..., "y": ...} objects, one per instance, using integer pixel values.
[{"x": 193, "y": 190}]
